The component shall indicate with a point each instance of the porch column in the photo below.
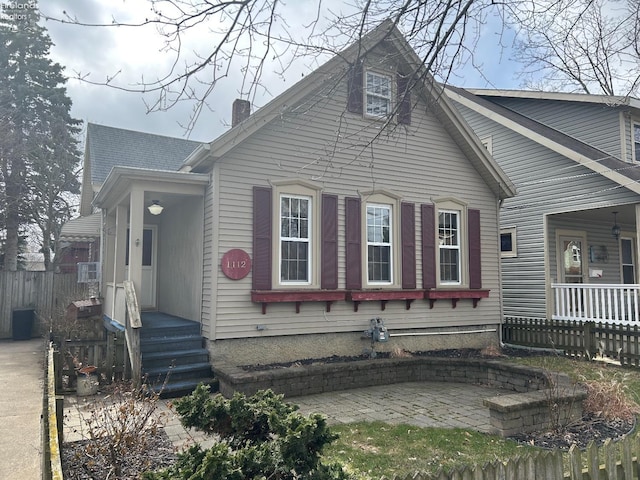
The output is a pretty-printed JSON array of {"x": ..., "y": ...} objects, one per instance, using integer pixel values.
[
  {"x": 637, "y": 243},
  {"x": 117, "y": 260},
  {"x": 119, "y": 254},
  {"x": 136, "y": 224}
]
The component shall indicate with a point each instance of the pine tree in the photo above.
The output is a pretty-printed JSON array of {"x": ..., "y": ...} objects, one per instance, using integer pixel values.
[{"x": 38, "y": 147}]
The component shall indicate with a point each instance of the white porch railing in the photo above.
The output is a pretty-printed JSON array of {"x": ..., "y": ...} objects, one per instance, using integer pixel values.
[{"x": 615, "y": 303}]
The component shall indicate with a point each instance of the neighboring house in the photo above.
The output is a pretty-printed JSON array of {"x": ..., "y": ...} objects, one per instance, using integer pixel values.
[
  {"x": 575, "y": 160},
  {"x": 358, "y": 193},
  {"x": 106, "y": 147}
]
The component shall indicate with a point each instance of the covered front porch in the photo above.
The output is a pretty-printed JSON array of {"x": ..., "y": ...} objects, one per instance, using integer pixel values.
[
  {"x": 592, "y": 272},
  {"x": 158, "y": 249}
]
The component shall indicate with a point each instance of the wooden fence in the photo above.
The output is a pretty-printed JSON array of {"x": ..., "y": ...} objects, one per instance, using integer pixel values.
[
  {"x": 612, "y": 461},
  {"x": 579, "y": 338},
  {"x": 48, "y": 293}
]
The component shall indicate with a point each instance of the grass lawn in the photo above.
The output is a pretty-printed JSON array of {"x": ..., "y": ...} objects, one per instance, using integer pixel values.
[{"x": 371, "y": 450}]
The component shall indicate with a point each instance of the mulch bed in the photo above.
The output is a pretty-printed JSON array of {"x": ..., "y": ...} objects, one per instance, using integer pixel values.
[
  {"x": 590, "y": 428},
  {"x": 78, "y": 463}
]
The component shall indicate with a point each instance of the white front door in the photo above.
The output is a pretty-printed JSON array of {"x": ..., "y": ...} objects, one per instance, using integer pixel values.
[{"x": 147, "y": 295}]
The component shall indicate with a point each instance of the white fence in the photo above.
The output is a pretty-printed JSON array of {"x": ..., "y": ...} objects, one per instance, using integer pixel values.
[{"x": 596, "y": 302}]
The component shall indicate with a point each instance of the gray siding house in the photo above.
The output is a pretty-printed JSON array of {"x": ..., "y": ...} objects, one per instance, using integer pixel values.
[
  {"x": 569, "y": 239},
  {"x": 359, "y": 193}
]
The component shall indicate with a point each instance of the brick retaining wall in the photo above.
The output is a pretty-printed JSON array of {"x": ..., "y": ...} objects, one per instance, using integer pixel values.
[{"x": 525, "y": 410}]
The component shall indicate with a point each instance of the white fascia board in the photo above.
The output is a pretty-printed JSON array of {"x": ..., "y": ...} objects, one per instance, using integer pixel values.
[{"x": 546, "y": 142}]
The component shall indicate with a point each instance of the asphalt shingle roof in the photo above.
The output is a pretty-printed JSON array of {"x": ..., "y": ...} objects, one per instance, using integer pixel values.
[{"x": 109, "y": 146}]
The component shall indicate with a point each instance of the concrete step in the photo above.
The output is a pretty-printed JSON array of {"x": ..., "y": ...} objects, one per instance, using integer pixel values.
[{"x": 166, "y": 359}]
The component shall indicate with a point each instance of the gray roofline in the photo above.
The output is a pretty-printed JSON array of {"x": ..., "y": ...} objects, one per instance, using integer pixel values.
[
  {"x": 615, "y": 169},
  {"x": 612, "y": 100}
]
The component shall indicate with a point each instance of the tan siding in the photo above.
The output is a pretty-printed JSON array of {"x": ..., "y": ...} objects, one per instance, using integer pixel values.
[{"x": 421, "y": 164}]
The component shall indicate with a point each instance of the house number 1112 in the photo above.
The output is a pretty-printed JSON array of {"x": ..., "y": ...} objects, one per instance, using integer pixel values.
[{"x": 236, "y": 264}]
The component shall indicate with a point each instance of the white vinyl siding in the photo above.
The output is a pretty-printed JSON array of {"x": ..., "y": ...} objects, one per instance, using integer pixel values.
[
  {"x": 547, "y": 182},
  {"x": 303, "y": 143}
]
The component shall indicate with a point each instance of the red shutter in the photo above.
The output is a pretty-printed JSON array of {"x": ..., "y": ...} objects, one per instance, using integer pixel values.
[
  {"x": 475, "y": 263},
  {"x": 427, "y": 213},
  {"x": 408, "y": 235},
  {"x": 404, "y": 100},
  {"x": 355, "y": 101},
  {"x": 262, "y": 238},
  {"x": 353, "y": 252},
  {"x": 329, "y": 259}
]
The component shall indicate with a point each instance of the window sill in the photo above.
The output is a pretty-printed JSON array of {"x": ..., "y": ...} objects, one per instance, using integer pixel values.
[
  {"x": 455, "y": 295},
  {"x": 383, "y": 296},
  {"x": 296, "y": 296}
]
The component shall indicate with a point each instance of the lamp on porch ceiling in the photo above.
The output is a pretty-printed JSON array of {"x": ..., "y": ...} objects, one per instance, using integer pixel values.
[
  {"x": 155, "y": 208},
  {"x": 615, "y": 230}
]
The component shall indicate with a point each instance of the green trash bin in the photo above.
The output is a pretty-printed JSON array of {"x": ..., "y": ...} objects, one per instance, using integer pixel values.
[{"x": 22, "y": 323}]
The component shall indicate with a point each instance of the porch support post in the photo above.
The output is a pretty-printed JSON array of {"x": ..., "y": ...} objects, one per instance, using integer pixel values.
[
  {"x": 637, "y": 242},
  {"x": 136, "y": 224},
  {"x": 119, "y": 254}
]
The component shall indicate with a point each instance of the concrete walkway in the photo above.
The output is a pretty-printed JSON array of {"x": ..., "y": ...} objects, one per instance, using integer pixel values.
[{"x": 21, "y": 391}]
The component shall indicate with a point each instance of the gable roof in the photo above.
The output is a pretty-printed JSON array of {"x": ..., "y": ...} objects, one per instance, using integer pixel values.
[
  {"x": 336, "y": 69},
  {"x": 607, "y": 165},
  {"x": 107, "y": 147}
]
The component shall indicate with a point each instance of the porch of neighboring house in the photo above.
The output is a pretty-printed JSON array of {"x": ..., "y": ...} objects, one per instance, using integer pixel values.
[
  {"x": 152, "y": 273},
  {"x": 592, "y": 258}
]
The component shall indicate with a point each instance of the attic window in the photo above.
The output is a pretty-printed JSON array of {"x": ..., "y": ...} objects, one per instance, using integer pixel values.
[{"x": 378, "y": 94}]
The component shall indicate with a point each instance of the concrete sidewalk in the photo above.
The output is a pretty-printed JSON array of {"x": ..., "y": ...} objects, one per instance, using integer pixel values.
[{"x": 21, "y": 397}]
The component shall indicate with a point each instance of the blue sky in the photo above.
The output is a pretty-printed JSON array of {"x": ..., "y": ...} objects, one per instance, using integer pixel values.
[{"x": 137, "y": 52}]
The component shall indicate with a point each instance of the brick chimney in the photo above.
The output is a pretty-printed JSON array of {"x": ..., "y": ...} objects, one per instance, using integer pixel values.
[{"x": 241, "y": 111}]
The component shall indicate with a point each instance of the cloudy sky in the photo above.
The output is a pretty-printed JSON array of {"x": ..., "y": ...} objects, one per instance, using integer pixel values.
[{"x": 98, "y": 53}]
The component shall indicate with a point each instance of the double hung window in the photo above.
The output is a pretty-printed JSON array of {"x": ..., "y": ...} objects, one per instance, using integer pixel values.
[
  {"x": 295, "y": 239},
  {"x": 449, "y": 247},
  {"x": 379, "y": 244},
  {"x": 378, "y": 94}
]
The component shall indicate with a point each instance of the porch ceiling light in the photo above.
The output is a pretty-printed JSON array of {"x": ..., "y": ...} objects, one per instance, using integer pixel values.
[
  {"x": 155, "y": 208},
  {"x": 615, "y": 230}
]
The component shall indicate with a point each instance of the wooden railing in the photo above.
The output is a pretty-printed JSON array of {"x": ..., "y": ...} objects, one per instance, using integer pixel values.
[
  {"x": 132, "y": 331},
  {"x": 596, "y": 302}
]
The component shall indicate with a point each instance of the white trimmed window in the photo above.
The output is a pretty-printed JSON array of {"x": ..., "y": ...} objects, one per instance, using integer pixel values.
[
  {"x": 295, "y": 239},
  {"x": 88, "y": 272},
  {"x": 449, "y": 247},
  {"x": 508, "y": 246},
  {"x": 378, "y": 94},
  {"x": 379, "y": 244}
]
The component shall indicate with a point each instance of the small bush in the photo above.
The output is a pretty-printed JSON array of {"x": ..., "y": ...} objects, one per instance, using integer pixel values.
[
  {"x": 608, "y": 397},
  {"x": 261, "y": 437}
]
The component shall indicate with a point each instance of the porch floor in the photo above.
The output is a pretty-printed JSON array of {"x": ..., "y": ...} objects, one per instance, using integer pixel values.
[{"x": 153, "y": 318}]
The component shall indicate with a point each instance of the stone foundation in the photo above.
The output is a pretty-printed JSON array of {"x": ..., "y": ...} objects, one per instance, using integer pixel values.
[{"x": 288, "y": 348}]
